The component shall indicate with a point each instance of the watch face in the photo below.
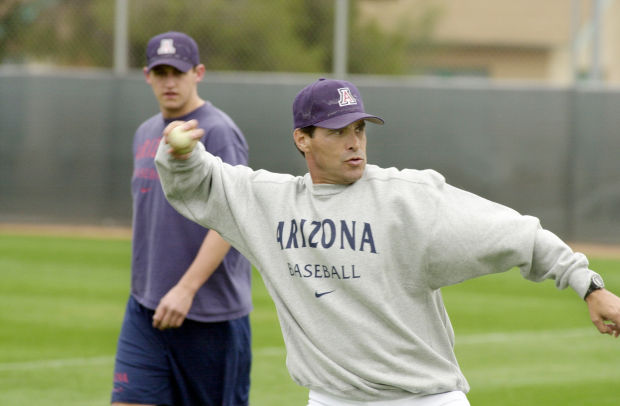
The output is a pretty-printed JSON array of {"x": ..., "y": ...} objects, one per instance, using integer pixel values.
[{"x": 598, "y": 281}]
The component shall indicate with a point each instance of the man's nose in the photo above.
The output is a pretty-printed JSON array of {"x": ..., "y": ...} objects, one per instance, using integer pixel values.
[
  {"x": 169, "y": 80},
  {"x": 353, "y": 140}
]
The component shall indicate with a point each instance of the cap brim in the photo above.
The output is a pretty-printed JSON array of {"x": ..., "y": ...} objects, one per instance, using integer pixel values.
[
  {"x": 344, "y": 120},
  {"x": 174, "y": 62}
]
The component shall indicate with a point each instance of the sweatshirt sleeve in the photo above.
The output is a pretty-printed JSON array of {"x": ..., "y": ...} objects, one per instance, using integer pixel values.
[
  {"x": 473, "y": 236},
  {"x": 200, "y": 188}
]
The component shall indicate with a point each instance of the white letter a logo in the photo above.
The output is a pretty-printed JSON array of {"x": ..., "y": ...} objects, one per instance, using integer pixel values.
[
  {"x": 346, "y": 98},
  {"x": 166, "y": 47}
]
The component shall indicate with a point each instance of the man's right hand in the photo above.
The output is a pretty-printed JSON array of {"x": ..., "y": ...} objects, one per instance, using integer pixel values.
[{"x": 191, "y": 126}]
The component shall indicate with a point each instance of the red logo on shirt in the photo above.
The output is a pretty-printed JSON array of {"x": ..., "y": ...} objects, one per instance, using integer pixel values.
[{"x": 121, "y": 377}]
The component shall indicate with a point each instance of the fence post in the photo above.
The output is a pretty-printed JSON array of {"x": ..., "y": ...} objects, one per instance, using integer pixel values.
[
  {"x": 120, "y": 37},
  {"x": 597, "y": 23},
  {"x": 341, "y": 32}
]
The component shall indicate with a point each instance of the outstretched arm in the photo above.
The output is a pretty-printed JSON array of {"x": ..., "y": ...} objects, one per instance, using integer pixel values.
[{"x": 604, "y": 309}]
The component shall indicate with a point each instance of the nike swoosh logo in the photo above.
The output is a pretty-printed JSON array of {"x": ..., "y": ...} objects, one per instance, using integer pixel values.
[{"x": 317, "y": 294}]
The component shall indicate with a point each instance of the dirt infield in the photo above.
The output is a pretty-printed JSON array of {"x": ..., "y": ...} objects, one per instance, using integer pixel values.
[
  {"x": 607, "y": 251},
  {"x": 610, "y": 251},
  {"x": 63, "y": 230}
]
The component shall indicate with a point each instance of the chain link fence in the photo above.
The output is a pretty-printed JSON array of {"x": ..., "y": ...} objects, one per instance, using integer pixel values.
[
  {"x": 552, "y": 41},
  {"x": 72, "y": 95},
  {"x": 233, "y": 35}
]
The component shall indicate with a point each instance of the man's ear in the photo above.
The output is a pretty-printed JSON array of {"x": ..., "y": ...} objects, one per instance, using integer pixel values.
[
  {"x": 146, "y": 75},
  {"x": 301, "y": 140},
  {"x": 200, "y": 72}
]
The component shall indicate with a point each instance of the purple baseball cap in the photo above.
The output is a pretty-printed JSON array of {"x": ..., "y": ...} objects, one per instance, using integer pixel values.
[
  {"x": 330, "y": 103},
  {"x": 174, "y": 49}
]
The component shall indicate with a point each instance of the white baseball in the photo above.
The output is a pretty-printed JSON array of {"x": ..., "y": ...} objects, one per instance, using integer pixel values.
[{"x": 181, "y": 141}]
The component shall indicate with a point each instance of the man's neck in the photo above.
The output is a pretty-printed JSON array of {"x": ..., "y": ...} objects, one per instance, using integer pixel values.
[{"x": 185, "y": 110}]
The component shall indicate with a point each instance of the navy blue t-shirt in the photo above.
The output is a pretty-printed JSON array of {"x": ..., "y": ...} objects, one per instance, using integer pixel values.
[{"x": 166, "y": 243}]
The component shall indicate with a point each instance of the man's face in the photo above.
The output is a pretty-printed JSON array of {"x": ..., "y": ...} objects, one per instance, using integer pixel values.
[
  {"x": 175, "y": 91},
  {"x": 335, "y": 156}
]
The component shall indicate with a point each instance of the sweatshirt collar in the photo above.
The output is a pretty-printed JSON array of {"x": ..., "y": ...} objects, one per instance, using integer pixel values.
[{"x": 326, "y": 189}]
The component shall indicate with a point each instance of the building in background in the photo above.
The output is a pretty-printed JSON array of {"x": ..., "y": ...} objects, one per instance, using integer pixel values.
[{"x": 550, "y": 40}]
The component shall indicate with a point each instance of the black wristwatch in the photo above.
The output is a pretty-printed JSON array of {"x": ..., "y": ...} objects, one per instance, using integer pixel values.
[{"x": 596, "y": 283}]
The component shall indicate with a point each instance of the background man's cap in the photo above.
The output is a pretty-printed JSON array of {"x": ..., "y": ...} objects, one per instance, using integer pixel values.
[
  {"x": 330, "y": 103},
  {"x": 174, "y": 49}
]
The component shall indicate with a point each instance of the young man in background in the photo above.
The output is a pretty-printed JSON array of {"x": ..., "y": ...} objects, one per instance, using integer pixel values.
[{"x": 185, "y": 339}]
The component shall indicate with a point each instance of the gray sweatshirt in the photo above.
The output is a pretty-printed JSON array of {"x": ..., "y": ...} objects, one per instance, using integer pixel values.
[{"x": 355, "y": 271}]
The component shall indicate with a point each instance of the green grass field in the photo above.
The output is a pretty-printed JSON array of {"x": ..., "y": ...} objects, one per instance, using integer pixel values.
[{"x": 62, "y": 300}]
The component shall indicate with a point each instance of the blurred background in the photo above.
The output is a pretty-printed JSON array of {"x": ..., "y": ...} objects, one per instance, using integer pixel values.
[{"x": 516, "y": 101}]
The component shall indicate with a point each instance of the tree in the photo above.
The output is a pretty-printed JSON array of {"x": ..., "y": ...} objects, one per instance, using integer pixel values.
[{"x": 233, "y": 35}]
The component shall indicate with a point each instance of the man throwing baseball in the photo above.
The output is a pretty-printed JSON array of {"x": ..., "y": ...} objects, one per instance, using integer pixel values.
[{"x": 354, "y": 255}]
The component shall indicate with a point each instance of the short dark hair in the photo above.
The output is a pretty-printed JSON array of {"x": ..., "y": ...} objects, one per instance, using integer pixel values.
[{"x": 307, "y": 130}]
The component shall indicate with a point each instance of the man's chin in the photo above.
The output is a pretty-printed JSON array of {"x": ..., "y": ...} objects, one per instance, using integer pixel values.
[
  {"x": 354, "y": 176},
  {"x": 171, "y": 109}
]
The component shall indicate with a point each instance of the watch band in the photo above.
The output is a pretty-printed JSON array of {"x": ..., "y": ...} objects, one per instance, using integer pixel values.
[{"x": 596, "y": 283}]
